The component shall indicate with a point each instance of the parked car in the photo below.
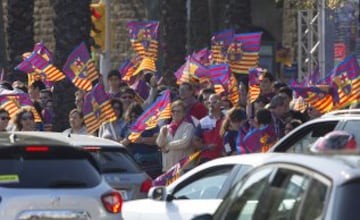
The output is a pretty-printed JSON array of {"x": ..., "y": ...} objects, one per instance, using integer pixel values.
[
  {"x": 196, "y": 191},
  {"x": 40, "y": 181},
  {"x": 301, "y": 138},
  {"x": 115, "y": 163},
  {"x": 295, "y": 186}
]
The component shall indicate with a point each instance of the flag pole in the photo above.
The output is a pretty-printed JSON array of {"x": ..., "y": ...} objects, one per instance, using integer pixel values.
[{"x": 105, "y": 57}]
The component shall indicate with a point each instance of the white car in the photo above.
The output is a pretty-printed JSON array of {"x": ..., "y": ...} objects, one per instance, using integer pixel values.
[{"x": 200, "y": 190}]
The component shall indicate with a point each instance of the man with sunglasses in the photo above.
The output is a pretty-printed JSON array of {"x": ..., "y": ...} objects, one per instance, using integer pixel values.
[{"x": 4, "y": 119}]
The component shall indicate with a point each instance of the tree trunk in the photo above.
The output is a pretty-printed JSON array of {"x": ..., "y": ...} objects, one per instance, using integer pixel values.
[
  {"x": 3, "y": 58},
  {"x": 20, "y": 34},
  {"x": 199, "y": 25},
  {"x": 238, "y": 15},
  {"x": 173, "y": 37},
  {"x": 72, "y": 25}
]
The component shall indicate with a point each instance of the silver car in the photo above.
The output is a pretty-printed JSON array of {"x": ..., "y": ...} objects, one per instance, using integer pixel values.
[{"x": 41, "y": 181}]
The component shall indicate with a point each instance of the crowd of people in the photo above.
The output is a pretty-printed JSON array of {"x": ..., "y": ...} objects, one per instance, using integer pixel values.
[{"x": 201, "y": 119}]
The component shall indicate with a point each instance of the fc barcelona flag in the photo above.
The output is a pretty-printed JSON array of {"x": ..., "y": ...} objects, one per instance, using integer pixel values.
[
  {"x": 203, "y": 56},
  {"x": 175, "y": 171},
  {"x": 191, "y": 71},
  {"x": 243, "y": 52},
  {"x": 260, "y": 139},
  {"x": 255, "y": 77},
  {"x": 12, "y": 102},
  {"x": 80, "y": 69},
  {"x": 144, "y": 38},
  {"x": 219, "y": 45},
  {"x": 345, "y": 79},
  {"x": 160, "y": 109},
  {"x": 40, "y": 58},
  {"x": 97, "y": 108}
]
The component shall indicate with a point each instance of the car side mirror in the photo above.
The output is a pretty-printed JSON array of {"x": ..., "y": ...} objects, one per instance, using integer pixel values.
[
  {"x": 203, "y": 217},
  {"x": 157, "y": 193}
]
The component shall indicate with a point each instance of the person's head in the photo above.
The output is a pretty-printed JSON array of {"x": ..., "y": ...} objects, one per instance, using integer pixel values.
[
  {"x": 334, "y": 140},
  {"x": 19, "y": 86},
  {"x": 25, "y": 120},
  {"x": 279, "y": 105},
  {"x": 45, "y": 96},
  {"x": 234, "y": 120},
  {"x": 79, "y": 99},
  {"x": 214, "y": 104},
  {"x": 114, "y": 80},
  {"x": 312, "y": 112},
  {"x": 127, "y": 97},
  {"x": 118, "y": 107},
  {"x": 285, "y": 90},
  {"x": 4, "y": 119},
  {"x": 133, "y": 112},
  {"x": 178, "y": 110},
  {"x": 186, "y": 91},
  {"x": 243, "y": 90},
  {"x": 260, "y": 103},
  {"x": 277, "y": 85},
  {"x": 266, "y": 83},
  {"x": 76, "y": 119},
  {"x": 226, "y": 104},
  {"x": 263, "y": 117},
  {"x": 35, "y": 88},
  {"x": 290, "y": 125},
  {"x": 205, "y": 94}
]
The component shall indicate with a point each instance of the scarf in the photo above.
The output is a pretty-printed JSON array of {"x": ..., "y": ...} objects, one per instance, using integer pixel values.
[{"x": 173, "y": 126}]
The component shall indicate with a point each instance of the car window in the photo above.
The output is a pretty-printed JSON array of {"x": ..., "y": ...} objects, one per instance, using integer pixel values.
[
  {"x": 346, "y": 204},
  {"x": 205, "y": 185},
  {"x": 112, "y": 160},
  {"x": 61, "y": 168},
  {"x": 274, "y": 196},
  {"x": 352, "y": 127},
  {"x": 315, "y": 201},
  {"x": 301, "y": 139}
]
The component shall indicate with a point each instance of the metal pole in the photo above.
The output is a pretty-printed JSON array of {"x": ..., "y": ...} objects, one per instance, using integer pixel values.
[
  {"x": 322, "y": 39},
  {"x": 105, "y": 57}
]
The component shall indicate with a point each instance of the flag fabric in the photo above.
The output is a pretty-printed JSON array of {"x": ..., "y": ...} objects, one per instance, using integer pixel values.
[
  {"x": 243, "y": 52},
  {"x": 159, "y": 110},
  {"x": 191, "y": 71},
  {"x": 219, "y": 45},
  {"x": 345, "y": 79},
  {"x": 97, "y": 108},
  {"x": 12, "y": 102},
  {"x": 145, "y": 64},
  {"x": 144, "y": 37},
  {"x": 260, "y": 139},
  {"x": 283, "y": 55},
  {"x": 203, "y": 56},
  {"x": 255, "y": 77},
  {"x": 175, "y": 171},
  {"x": 80, "y": 69},
  {"x": 128, "y": 68},
  {"x": 40, "y": 58}
]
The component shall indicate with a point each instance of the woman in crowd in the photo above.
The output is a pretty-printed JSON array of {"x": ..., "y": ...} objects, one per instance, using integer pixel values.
[
  {"x": 174, "y": 139},
  {"x": 25, "y": 120},
  {"x": 290, "y": 125},
  {"x": 76, "y": 121},
  {"x": 112, "y": 130}
]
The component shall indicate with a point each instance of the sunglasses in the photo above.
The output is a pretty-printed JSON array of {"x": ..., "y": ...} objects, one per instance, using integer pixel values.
[
  {"x": 127, "y": 97},
  {"x": 176, "y": 111},
  {"x": 4, "y": 118}
]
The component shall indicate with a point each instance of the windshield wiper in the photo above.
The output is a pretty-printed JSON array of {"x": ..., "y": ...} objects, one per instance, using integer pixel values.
[{"x": 67, "y": 184}]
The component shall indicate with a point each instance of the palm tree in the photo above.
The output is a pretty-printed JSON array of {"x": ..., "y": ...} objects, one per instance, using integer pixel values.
[
  {"x": 72, "y": 24},
  {"x": 20, "y": 33},
  {"x": 199, "y": 25},
  {"x": 173, "y": 36}
]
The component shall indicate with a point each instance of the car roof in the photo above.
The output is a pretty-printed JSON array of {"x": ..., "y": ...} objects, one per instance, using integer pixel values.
[
  {"x": 355, "y": 113},
  {"x": 338, "y": 168},
  {"x": 245, "y": 159},
  {"x": 43, "y": 137}
]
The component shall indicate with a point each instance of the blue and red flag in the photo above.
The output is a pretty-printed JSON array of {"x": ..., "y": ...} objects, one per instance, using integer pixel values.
[
  {"x": 203, "y": 56},
  {"x": 260, "y": 139},
  {"x": 243, "y": 52},
  {"x": 175, "y": 171},
  {"x": 255, "y": 77},
  {"x": 97, "y": 108},
  {"x": 220, "y": 42},
  {"x": 345, "y": 79},
  {"x": 80, "y": 69},
  {"x": 149, "y": 119},
  {"x": 191, "y": 71},
  {"x": 144, "y": 37}
]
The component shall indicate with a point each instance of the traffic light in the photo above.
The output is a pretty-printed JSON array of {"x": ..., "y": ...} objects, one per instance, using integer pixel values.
[{"x": 98, "y": 18}]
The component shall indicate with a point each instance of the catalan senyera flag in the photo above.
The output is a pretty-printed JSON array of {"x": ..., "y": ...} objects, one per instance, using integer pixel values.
[
  {"x": 243, "y": 52},
  {"x": 144, "y": 37},
  {"x": 345, "y": 79},
  {"x": 97, "y": 108},
  {"x": 12, "y": 102},
  {"x": 175, "y": 171},
  {"x": 159, "y": 110},
  {"x": 220, "y": 42},
  {"x": 80, "y": 69},
  {"x": 318, "y": 96},
  {"x": 41, "y": 59},
  {"x": 255, "y": 76}
]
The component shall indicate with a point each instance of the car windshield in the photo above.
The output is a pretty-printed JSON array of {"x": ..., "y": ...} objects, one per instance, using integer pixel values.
[{"x": 60, "y": 168}]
